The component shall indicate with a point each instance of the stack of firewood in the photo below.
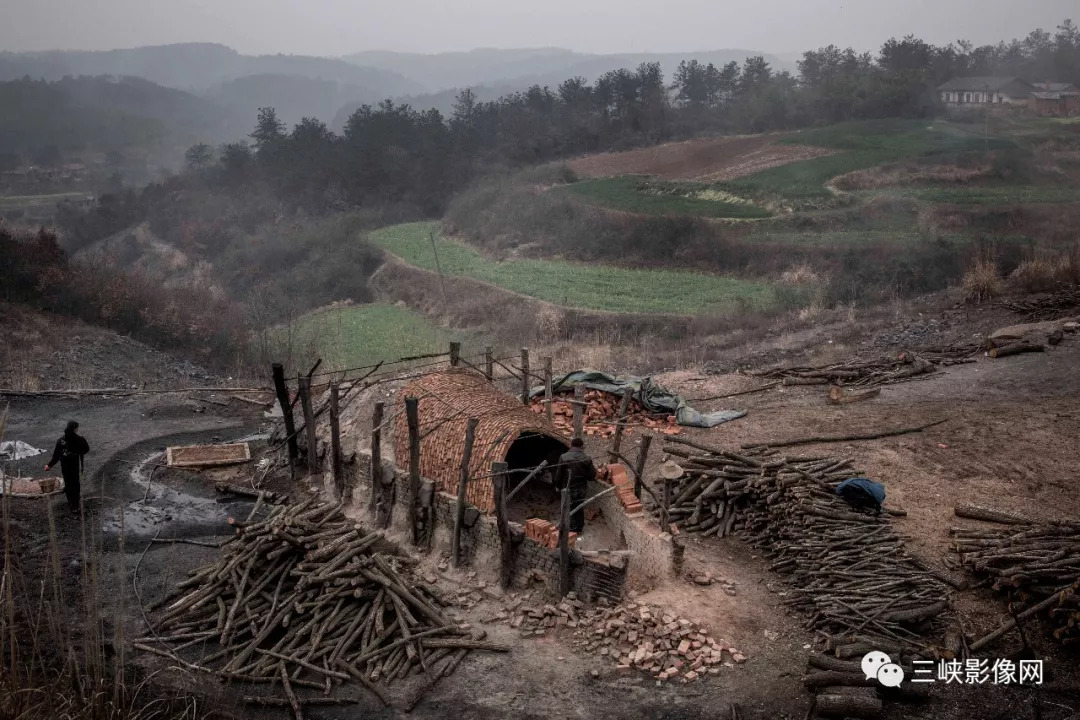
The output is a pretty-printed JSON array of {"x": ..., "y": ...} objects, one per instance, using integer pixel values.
[
  {"x": 1064, "y": 301},
  {"x": 850, "y": 570},
  {"x": 1037, "y": 564},
  {"x": 871, "y": 373},
  {"x": 304, "y": 599}
]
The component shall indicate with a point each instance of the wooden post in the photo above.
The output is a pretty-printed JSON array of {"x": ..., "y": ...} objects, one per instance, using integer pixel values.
[
  {"x": 412, "y": 416},
  {"x": 335, "y": 442},
  {"x": 524, "y": 376},
  {"x": 639, "y": 469},
  {"x": 547, "y": 390},
  {"x": 665, "y": 506},
  {"x": 286, "y": 409},
  {"x": 579, "y": 409},
  {"x": 376, "y": 455},
  {"x": 489, "y": 363},
  {"x": 564, "y": 544},
  {"x": 455, "y": 354},
  {"x": 309, "y": 424},
  {"x": 616, "y": 442},
  {"x": 463, "y": 484},
  {"x": 502, "y": 521}
]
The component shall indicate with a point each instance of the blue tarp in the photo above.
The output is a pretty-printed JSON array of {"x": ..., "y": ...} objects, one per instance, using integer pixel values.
[{"x": 653, "y": 397}]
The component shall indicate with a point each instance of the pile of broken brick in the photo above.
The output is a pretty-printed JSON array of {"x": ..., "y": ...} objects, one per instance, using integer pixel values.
[
  {"x": 601, "y": 415},
  {"x": 657, "y": 641},
  {"x": 633, "y": 635}
]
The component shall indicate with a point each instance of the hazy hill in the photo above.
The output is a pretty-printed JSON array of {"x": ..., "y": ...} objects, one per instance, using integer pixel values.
[
  {"x": 196, "y": 67},
  {"x": 520, "y": 68}
]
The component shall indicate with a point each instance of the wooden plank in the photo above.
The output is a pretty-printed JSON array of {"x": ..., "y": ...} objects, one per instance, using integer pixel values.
[
  {"x": 198, "y": 456},
  {"x": 412, "y": 415},
  {"x": 579, "y": 409},
  {"x": 335, "y": 442},
  {"x": 547, "y": 389},
  {"x": 616, "y": 442},
  {"x": 463, "y": 483},
  {"x": 489, "y": 363},
  {"x": 639, "y": 468},
  {"x": 502, "y": 521},
  {"x": 524, "y": 376},
  {"x": 564, "y": 543},
  {"x": 286, "y": 409},
  {"x": 455, "y": 354},
  {"x": 376, "y": 456},
  {"x": 309, "y": 424}
]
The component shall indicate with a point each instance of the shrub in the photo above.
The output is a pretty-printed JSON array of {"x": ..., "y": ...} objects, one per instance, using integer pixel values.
[{"x": 982, "y": 281}]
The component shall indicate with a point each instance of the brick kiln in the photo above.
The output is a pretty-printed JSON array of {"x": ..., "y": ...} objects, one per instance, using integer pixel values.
[{"x": 507, "y": 431}]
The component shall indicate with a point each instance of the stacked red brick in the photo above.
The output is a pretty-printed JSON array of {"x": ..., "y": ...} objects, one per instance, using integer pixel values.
[
  {"x": 618, "y": 476},
  {"x": 446, "y": 401},
  {"x": 602, "y": 413},
  {"x": 545, "y": 533}
]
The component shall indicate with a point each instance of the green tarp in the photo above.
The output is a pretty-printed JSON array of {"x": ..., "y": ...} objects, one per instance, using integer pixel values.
[{"x": 653, "y": 397}]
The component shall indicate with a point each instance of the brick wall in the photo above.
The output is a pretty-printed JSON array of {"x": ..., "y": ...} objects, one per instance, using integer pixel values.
[
  {"x": 653, "y": 554},
  {"x": 592, "y": 579}
]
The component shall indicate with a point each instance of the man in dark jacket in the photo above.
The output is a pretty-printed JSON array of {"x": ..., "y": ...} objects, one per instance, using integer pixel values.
[
  {"x": 69, "y": 452},
  {"x": 576, "y": 470}
]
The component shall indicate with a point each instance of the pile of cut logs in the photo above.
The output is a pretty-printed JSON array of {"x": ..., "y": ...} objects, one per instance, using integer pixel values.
[
  {"x": 303, "y": 599},
  {"x": 602, "y": 413},
  {"x": 871, "y": 373},
  {"x": 850, "y": 569},
  {"x": 1037, "y": 564},
  {"x": 1049, "y": 307}
]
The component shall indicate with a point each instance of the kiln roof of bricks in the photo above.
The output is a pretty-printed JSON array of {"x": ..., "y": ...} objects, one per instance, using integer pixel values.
[{"x": 447, "y": 400}]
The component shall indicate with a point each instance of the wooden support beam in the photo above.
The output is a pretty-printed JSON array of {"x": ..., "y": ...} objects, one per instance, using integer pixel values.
[
  {"x": 282, "y": 391},
  {"x": 579, "y": 409},
  {"x": 502, "y": 521},
  {"x": 489, "y": 363},
  {"x": 412, "y": 417},
  {"x": 616, "y": 442},
  {"x": 665, "y": 507},
  {"x": 547, "y": 390},
  {"x": 376, "y": 456},
  {"x": 455, "y": 354},
  {"x": 463, "y": 484},
  {"x": 309, "y": 424},
  {"x": 335, "y": 442},
  {"x": 564, "y": 544},
  {"x": 639, "y": 467},
  {"x": 524, "y": 376}
]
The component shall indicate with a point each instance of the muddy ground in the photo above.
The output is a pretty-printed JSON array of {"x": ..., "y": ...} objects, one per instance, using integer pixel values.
[{"x": 1009, "y": 440}]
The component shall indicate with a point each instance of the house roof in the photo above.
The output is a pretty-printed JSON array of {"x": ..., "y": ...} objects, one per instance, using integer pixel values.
[
  {"x": 988, "y": 82},
  {"x": 1057, "y": 87}
]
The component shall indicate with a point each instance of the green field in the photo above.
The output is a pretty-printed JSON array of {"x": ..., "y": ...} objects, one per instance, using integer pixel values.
[
  {"x": 998, "y": 194},
  {"x": 652, "y": 197},
  {"x": 862, "y": 144},
  {"x": 38, "y": 200},
  {"x": 357, "y": 335},
  {"x": 595, "y": 287}
]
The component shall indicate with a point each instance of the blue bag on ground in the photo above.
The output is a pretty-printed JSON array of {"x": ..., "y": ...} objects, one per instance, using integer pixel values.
[{"x": 862, "y": 493}]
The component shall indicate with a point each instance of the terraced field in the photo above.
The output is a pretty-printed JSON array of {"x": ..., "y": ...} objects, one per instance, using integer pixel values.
[
  {"x": 651, "y": 197},
  {"x": 355, "y": 335},
  {"x": 593, "y": 287}
]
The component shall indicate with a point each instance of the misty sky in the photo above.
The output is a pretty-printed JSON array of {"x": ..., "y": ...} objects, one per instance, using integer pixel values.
[{"x": 336, "y": 27}]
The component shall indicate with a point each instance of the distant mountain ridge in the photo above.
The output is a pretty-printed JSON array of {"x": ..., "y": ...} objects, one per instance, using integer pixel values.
[
  {"x": 197, "y": 67},
  {"x": 487, "y": 66}
]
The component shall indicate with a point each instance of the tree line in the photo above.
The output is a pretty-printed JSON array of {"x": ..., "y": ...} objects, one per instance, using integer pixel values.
[{"x": 393, "y": 153}]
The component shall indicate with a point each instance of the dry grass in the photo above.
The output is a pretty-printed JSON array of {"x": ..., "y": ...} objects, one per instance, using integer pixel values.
[
  {"x": 1046, "y": 271},
  {"x": 982, "y": 281}
]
